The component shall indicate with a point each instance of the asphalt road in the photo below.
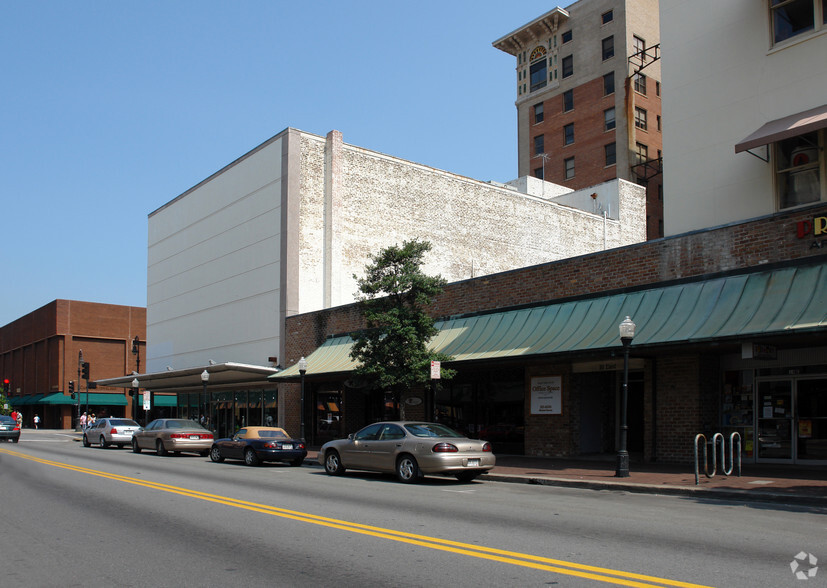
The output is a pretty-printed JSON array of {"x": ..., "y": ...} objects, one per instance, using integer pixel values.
[{"x": 75, "y": 516}]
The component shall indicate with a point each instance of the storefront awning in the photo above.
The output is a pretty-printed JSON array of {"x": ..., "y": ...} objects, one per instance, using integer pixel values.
[
  {"x": 102, "y": 399},
  {"x": 784, "y": 128},
  {"x": 57, "y": 398},
  {"x": 29, "y": 399},
  {"x": 745, "y": 305},
  {"x": 160, "y": 400},
  {"x": 227, "y": 375}
]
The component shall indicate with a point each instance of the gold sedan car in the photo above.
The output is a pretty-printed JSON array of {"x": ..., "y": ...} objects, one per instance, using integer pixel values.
[
  {"x": 409, "y": 449},
  {"x": 173, "y": 436}
]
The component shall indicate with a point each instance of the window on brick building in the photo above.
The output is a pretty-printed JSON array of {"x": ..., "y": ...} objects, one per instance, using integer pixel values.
[
  {"x": 609, "y": 83},
  {"x": 569, "y": 167},
  {"x": 609, "y": 119},
  {"x": 567, "y": 66},
  {"x": 607, "y": 17},
  {"x": 538, "y": 173},
  {"x": 640, "y": 118},
  {"x": 659, "y": 128},
  {"x": 568, "y": 134},
  {"x": 640, "y": 83},
  {"x": 538, "y": 113},
  {"x": 608, "y": 47},
  {"x": 539, "y": 145},
  {"x": 568, "y": 100},
  {"x": 641, "y": 153},
  {"x": 639, "y": 47},
  {"x": 610, "y": 151}
]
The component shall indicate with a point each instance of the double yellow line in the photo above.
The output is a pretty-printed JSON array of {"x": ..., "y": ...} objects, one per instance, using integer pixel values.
[{"x": 525, "y": 560}]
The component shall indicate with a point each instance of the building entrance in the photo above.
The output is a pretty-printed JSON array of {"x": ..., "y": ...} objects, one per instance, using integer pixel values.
[{"x": 792, "y": 419}]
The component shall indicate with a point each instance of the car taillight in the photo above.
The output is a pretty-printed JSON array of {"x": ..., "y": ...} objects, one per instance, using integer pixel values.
[
  {"x": 444, "y": 448},
  {"x": 178, "y": 436},
  {"x": 114, "y": 431},
  {"x": 487, "y": 448},
  {"x": 17, "y": 427}
]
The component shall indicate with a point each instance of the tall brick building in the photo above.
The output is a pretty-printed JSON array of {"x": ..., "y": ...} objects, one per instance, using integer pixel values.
[
  {"x": 588, "y": 97},
  {"x": 41, "y": 351}
]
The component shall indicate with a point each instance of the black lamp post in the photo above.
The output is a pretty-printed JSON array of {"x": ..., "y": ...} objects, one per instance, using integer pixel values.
[
  {"x": 136, "y": 351},
  {"x": 135, "y": 385},
  {"x": 302, "y": 371},
  {"x": 627, "y": 333},
  {"x": 205, "y": 377}
]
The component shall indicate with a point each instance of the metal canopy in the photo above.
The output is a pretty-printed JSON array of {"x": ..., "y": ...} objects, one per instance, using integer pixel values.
[
  {"x": 222, "y": 375},
  {"x": 784, "y": 128},
  {"x": 792, "y": 299}
]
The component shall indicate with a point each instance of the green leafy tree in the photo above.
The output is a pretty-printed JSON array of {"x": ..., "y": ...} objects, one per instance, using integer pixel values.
[
  {"x": 393, "y": 350},
  {"x": 4, "y": 402}
]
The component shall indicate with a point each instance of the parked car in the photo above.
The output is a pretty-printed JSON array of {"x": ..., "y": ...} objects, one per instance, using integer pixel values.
[
  {"x": 410, "y": 450},
  {"x": 9, "y": 429},
  {"x": 257, "y": 444},
  {"x": 173, "y": 436},
  {"x": 110, "y": 431}
]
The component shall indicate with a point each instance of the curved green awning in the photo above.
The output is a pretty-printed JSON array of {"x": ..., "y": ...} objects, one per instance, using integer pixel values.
[
  {"x": 57, "y": 398},
  {"x": 792, "y": 299},
  {"x": 102, "y": 399}
]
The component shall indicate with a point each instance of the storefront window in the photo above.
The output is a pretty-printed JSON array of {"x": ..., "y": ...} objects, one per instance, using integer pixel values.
[{"x": 737, "y": 409}]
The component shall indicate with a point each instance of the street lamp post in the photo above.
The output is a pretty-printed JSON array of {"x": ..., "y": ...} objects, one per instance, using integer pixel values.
[
  {"x": 627, "y": 333},
  {"x": 135, "y": 384},
  {"x": 205, "y": 377},
  {"x": 302, "y": 371}
]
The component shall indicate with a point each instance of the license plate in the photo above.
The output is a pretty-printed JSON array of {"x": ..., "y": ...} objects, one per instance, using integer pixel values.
[
  {"x": 473, "y": 462},
  {"x": 287, "y": 446},
  {"x": 195, "y": 437}
]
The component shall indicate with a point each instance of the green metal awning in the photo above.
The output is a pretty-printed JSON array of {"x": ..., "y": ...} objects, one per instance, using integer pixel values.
[
  {"x": 159, "y": 400},
  {"x": 57, "y": 398},
  {"x": 792, "y": 299},
  {"x": 102, "y": 399},
  {"x": 29, "y": 399}
]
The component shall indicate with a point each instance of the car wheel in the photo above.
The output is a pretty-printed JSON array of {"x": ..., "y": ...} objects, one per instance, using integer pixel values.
[
  {"x": 104, "y": 444},
  {"x": 333, "y": 464},
  {"x": 466, "y": 476},
  {"x": 159, "y": 448},
  {"x": 407, "y": 470},
  {"x": 250, "y": 458},
  {"x": 15, "y": 440},
  {"x": 215, "y": 454},
  {"x": 135, "y": 447},
  {"x": 297, "y": 462},
  {"x": 86, "y": 441}
]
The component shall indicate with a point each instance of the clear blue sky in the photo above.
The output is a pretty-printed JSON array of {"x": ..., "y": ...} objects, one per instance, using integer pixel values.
[{"x": 112, "y": 108}]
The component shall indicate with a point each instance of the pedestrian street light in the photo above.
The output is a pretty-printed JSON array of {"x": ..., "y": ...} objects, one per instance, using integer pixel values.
[
  {"x": 205, "y": 377},
  {"x": 302, "y": 371},
  {"x": 627, "y": 333},
  {"x": 135, "y": 385}
]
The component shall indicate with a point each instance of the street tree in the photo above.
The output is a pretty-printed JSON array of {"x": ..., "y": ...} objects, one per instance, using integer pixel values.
[{"x": 393, "y": 296}]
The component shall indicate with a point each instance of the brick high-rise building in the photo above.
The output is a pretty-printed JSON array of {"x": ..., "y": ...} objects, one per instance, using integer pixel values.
[{"x": 588, "y": 97}]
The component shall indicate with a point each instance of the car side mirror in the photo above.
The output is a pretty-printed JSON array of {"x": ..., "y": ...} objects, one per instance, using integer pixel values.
[{"x": 350, "y": 437}]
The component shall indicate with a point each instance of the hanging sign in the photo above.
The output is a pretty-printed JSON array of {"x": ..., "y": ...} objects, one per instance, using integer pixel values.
[{"x": 435, "y": 370}]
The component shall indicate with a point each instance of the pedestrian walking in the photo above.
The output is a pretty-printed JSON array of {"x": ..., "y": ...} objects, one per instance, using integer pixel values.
[
  {"x": 83, "y": 421},
  {"x": 20, "y": 419},
  {"x": 36, "y": 421}
]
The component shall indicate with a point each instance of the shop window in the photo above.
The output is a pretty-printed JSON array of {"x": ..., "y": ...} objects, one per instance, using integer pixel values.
[
  {"x": 568, "y": 134},
  {"x": 608, "y": 47},
  {"x": 538, "y": 113},
  {"x": 568, "y": 66},
  {"x": 569, "y": 167},
  {"x": 798, "y": 162},
  {"x": 568, "y": 100},
  {"x": 640, "y": 118},
  {"x": 609, "y": 119},
  {"x": 539, "y": 144},
  {"x": 609, "y": 83}
]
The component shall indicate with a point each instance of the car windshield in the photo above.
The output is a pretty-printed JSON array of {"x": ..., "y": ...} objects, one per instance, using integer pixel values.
[
  {"x": 183, "y": 424},
  {"x": 6, "y": 419},
  {"x": 431, "y": 430},
  {"x": 272, "y": 435},
  {"x": 123, "y": 423}
]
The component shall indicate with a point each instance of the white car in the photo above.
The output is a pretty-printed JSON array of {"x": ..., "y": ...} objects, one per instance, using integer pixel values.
[{"x": 110, "y": 431}]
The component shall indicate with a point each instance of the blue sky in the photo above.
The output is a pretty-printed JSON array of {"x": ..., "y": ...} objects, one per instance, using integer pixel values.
[{"x": 112, "y": 108}]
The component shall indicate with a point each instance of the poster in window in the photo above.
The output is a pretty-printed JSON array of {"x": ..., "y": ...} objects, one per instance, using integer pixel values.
[{"x": 546, "y": 395}]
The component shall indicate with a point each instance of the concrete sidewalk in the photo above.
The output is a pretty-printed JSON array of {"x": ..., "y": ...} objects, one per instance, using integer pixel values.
[{"x": 758, "y": 482}]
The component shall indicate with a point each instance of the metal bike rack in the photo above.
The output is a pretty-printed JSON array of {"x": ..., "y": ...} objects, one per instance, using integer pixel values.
[{"x": 718, "y": 439}]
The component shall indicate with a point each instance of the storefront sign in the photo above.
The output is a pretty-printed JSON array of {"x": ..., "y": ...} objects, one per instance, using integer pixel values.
[
  {"x": 609, "y": 365},
  {"x": 147, "y": 399},
  {"x": 435, "y": 370},
  {"x": 758, "y": 351},
  {"x": 815, "y": 228},
  {"x": 546, "y": 395}
]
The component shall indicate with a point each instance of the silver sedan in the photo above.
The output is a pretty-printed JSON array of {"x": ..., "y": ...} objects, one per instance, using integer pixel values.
[
  {"x": 410, "y": 449},
  {"x": 173, "y": 436}
]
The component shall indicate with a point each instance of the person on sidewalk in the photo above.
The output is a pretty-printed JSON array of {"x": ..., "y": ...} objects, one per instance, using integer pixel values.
[{"x": 36, "y": 422}]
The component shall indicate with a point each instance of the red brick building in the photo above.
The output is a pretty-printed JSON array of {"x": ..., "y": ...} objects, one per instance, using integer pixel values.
[
  {"x": 41, "y": 353},
  {"x": 727, "y": 317}
]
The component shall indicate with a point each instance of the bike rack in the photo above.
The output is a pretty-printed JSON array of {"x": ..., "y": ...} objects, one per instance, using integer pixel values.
[{"x": 718, "y": 439}]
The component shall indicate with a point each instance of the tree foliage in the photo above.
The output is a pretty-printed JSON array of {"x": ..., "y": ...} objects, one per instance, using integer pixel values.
[{"x": 393, "y": 295}]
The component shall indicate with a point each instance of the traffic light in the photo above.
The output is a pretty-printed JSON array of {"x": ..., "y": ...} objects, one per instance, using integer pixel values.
[
  {"x": 72, "y": 388},
  {"x": 85, "y": 370},
  {"x": 6, "y": 386}
]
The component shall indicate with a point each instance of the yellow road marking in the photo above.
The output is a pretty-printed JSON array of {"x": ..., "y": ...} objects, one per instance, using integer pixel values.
[{"x": 607, "y": 575}]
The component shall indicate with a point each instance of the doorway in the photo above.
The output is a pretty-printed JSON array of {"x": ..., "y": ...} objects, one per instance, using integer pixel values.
[{"x": 792, "y": 420}]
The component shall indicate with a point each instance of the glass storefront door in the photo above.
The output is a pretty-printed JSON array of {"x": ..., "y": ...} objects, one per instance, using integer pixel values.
[{"x": 792, "y": 420}]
